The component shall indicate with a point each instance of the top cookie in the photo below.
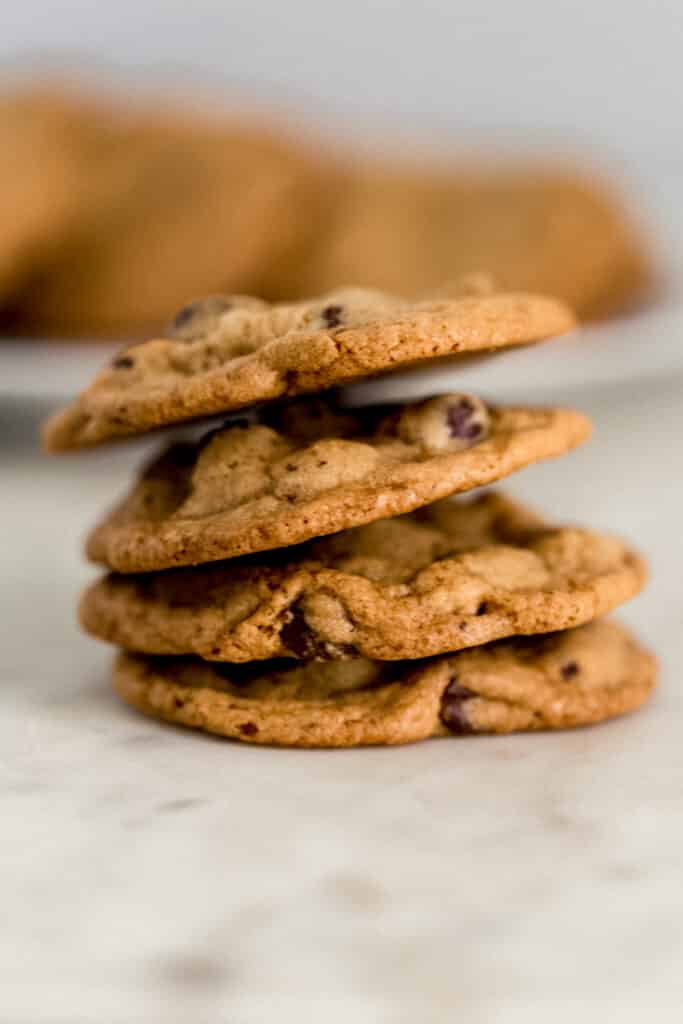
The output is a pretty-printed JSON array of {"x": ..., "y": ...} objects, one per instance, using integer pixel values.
[
  {"x": 534, "y": 229},
  {"x": 226, "y": 353},
  {"x": 312, "y": 472}
]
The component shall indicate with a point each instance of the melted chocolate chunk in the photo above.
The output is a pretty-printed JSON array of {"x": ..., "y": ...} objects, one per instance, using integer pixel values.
[
  {"x": 452, "y": 713},
  {"x": 569, "y": 670},
  {"x": 185, "y": 315},
  {"x": 332, "y": 316},
  {"x": 482, "y": 608},
  {"x": 248, "y": 729},
  {"x": 123, "y": 362},
  {"x": 212, "y": 306},
  {"x": 301, "y": 640},
  {"x": 459, "y": 419}
]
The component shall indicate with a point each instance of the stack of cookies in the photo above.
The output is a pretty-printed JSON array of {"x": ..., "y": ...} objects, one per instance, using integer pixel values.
[{"x": 302, "y": 573}]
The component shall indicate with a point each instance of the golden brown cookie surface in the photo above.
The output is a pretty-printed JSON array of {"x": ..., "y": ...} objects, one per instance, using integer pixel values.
[
  {"x": 230, "y": 352},
  {"x": 253, "y": 487},
  {"x": 556, "y": 681},
  {"x": 454, "y": 575}
]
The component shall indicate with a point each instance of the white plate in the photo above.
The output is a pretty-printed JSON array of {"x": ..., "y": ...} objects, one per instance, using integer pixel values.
[
  {"x": 647, "y": 344},
  {"x": 51, "y": 371}
]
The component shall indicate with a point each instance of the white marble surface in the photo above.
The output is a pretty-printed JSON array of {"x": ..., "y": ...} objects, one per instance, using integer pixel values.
[{"x": 150, "y": 874}]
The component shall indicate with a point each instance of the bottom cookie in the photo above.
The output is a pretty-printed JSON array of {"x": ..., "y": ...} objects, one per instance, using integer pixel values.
[{"x": 555, "y": 681}]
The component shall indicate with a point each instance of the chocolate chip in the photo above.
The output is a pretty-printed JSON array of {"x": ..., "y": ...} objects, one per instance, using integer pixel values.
[
  {"x": 452, "y": 708},
  {"x": 248, "y": 729},
  {"x": 123, "y": 362},
  {"x": 332, "y": 316},
  {"x": 482, "y": 608},
  {"x": 184, "y": 315},
  {"x": 569, "y": 670},
  {"x": 302, "y": 641},
  {"x": 459, "y": 419},
  {"x": 445, "y": 423},
  {"x": 200, "y": 308},
  {"x": 299, "y": 638},
  {"x": 196, "y": 313}
]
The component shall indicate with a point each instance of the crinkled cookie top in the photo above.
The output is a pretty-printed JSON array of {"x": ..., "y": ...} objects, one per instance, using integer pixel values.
[
  {"x": 312, "y": 470},
  {"x": 453, "y": 575},
  {"x": 227, "y": 353}
]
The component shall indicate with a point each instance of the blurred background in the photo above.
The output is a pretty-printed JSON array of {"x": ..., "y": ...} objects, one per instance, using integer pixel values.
[
  {"x": 600, "y": 74},
  {"x": 155, "y": 152}
]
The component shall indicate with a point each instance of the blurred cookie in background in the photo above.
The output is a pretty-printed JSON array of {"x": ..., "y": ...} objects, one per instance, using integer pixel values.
[
  {"x": 532, "y": 228},
  {"x": 175, "y": 206},
  {"x": 41, "y": 174},
  {"x": 113, "y": 214}
]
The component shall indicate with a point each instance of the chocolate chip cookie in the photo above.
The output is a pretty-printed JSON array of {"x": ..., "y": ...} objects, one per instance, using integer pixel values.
[
  {"x": 535, "y": 229},
  {"x": 557, "y": 681},
  {"x": 251, "y": 487},
  {"x": 187, "y": 205},
  {"x": 226, "y": 353},
  {"x": 43, "y": 169},
  {"x": 453, "y": 575}
]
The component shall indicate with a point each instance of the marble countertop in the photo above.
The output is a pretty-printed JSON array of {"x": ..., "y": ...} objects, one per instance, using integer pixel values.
[{"x": 151, "y": 874}]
